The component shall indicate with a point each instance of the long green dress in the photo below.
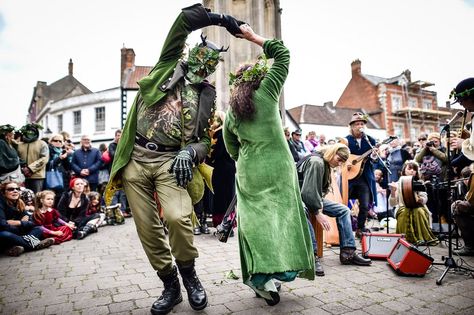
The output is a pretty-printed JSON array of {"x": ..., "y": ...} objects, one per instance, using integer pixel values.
[{"x": 274, "y": 238}]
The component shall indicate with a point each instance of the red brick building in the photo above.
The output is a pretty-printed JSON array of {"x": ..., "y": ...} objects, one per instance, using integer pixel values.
[{"x": 402, "y": 107}]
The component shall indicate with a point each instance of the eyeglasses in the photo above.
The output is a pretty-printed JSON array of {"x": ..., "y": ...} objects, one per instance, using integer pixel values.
[
  {"x": 56, "y": 140},
  {"x": 13, "y": 189},
  {"x": 422, "y": 139}
]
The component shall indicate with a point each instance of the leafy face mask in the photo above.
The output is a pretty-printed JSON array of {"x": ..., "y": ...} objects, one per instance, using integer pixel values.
[{"x": 202, "y": 62}]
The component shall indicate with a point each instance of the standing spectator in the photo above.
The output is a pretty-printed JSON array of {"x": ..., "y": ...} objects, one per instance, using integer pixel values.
[
  {"x": 223, "y": 176},
  {"x": 59, "y": 160},
  {"x": 298, "y": 144},
  {"x": 86, "y": 162},
  {"x": 294, "y": 154},
  {"x": 104, "y": 168},
  {"x": 119, "y": 196},
  {"x": 9, "y": 161},
  {"x": 396, "y": 157},
  {"x": 432, "y": 160},
  {"x": 322, "y": 140},
  {"x": 274, "y": 238},
  {"x": 17, "y": 232},
  {"x": 311, "y": 143},
  {"x": 34, "y": 154}
]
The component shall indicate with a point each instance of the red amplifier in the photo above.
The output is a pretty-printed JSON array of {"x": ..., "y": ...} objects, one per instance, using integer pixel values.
[
  {"x": 378, "y": 245},
  {"x": 407, "y": 260}
]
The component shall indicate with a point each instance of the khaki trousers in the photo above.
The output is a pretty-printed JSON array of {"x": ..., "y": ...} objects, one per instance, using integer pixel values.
[{"x": 140, "y": 181}]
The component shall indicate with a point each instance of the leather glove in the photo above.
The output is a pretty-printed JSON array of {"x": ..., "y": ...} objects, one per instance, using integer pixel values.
[
  {"x": 182, "y": 167},
  {"x": 227, "y": 21}
]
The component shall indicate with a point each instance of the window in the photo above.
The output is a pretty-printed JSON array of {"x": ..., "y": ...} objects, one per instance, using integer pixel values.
[
  {"x": 412, "y": 102},
  {"x": 100, "y": 119},
  {"x": 77, "y": 122},
  {"x": 60, "y": 122},
  {"x": 427, "y": 104},
  {"x": 414, "y": 133},
  {"x": 396, "y": 102},
  {"x": 398, "y": 130}
]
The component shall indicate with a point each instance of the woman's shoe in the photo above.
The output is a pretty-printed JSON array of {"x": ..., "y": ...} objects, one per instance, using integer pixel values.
[{"x": 15, "y": 251}]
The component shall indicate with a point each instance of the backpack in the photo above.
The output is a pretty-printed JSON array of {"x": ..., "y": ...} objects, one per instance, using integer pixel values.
[{"x": 430, "y": 166}]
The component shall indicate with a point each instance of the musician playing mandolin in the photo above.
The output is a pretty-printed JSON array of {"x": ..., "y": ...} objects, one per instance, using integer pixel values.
[
  {"x": 316, "y": 173},
  {"x": 362, "y": 187}
]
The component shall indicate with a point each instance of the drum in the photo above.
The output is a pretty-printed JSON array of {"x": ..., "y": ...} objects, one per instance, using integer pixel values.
[{"x": 408, "y": 189}]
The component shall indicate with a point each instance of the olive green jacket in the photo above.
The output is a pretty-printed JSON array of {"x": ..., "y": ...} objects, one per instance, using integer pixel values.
[{"x": 152, "y": 88}]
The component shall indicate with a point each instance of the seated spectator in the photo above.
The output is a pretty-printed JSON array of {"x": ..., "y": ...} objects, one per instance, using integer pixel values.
[
  {"x": 49, "y": 219},
  {"x": 17, "y": 232},
  {"x": 96, "y": 207},
  {"x": 414, "y": 222},
  {"x": 10, "y": 169},
  {"x": 73, "y": 206}
]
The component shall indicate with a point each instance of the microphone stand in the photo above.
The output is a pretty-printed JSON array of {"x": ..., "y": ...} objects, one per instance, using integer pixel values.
[
  {"x": 388, "y": 171},
  {"x": 449, "y": 261}
]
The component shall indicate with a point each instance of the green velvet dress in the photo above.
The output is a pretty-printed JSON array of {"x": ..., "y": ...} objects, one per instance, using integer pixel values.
[{"x": 274, "y": 238}]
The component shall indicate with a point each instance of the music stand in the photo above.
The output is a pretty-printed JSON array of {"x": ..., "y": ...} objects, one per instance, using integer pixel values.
[{"x": 449, "y": 261}]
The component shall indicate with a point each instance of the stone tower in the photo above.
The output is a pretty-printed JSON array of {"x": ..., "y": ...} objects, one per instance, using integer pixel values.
[{"x": 264, "y": 18}]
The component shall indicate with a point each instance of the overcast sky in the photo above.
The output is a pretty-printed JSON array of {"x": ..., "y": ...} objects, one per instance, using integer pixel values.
[{"x": 431, "y": 38}]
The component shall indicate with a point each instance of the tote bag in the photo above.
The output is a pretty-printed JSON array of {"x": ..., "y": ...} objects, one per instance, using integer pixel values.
[{"x": 54, "y": 179}]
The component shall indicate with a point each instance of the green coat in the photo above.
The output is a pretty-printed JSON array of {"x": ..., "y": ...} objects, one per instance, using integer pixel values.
[
  {"x": 273, "y": 230},
  {"x": 152, "y": 88}
]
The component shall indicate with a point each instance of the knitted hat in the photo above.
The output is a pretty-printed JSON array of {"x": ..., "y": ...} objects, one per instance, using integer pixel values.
[
  {"x": 433, "y": 135},
  {"x": 358, "y": 117}
]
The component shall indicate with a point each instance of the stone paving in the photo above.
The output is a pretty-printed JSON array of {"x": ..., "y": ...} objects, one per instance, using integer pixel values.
[{"x": 108, "y": 273}]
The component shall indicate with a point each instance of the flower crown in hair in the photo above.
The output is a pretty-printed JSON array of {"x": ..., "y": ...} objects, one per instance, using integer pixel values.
[
  {"x": 253, "y": 73},
  {"x": 460, "y": 95}
]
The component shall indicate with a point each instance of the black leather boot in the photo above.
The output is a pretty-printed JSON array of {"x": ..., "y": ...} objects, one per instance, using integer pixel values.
[
  {"x": 196, "y": 294},
  {"x": 86, "y": 230},
  {"x": 203, "y": 220},
  {"x": 348, "y": 256},
  {"x": 170, "y": 296}
]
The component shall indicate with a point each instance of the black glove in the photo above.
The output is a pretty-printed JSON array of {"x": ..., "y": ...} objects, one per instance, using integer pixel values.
[
  {"x": 182, "y": 167},
  {"x": 228, "y": 21}
]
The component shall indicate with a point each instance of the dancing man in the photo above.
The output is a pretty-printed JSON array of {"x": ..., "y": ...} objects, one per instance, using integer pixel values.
[
  {"x": 316, "y": 172},
  {"x": 166, "y": 133}
]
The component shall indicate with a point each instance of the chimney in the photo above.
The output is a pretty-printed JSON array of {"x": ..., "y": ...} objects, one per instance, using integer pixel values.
[
  {"x": 127, "y": 60},
  {"x": 407, "y": 74},
  {"x": 448, "y": 104},
  {"x": 70, "y": 67},
  {"x": 356, "y": 67}
]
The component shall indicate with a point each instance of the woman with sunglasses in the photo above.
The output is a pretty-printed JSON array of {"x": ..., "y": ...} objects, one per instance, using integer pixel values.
[
  {"x": 17, "y": 232},
  {"x": 59, "y": 160}
]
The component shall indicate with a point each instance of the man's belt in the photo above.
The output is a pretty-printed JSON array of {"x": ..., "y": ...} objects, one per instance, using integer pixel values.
[{"x": 152, "y": 146}]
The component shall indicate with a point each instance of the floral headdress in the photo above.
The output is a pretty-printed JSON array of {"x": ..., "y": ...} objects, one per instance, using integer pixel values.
[
  {"x": 252, "y": 73},
  {"x": 204, "y": 56}
]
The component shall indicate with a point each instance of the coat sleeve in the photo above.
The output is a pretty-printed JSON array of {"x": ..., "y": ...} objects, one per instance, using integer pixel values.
[
  {"x": 312, "y": 188},
  {"x": 42, "y": 161},
  {"x": 276, "y": 76},
  {"x": 230, "y": 139}
]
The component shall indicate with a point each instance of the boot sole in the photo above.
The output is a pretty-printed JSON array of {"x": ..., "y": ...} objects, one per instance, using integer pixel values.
[
  {"x": 199, "y": 307},
  {"x": 155, "y": 312}
]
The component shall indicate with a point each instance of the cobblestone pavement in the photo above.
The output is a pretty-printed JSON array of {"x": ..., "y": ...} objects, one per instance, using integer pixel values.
[{"x": 108, "y": 272}]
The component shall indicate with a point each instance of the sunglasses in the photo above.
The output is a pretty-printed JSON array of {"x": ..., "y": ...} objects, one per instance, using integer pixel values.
[
  {"x": 422, "y": 139},
  {"x": 13, "y": 189},
  {"x": 56, "y": 140}
]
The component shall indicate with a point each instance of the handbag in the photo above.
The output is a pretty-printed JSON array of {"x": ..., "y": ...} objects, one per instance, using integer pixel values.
[{"x": 54, "y": 179}]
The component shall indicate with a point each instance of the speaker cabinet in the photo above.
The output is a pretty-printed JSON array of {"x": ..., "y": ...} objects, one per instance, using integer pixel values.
[
  {"x": 378, "y": 245},
  {"x": 407, "y": 260}
]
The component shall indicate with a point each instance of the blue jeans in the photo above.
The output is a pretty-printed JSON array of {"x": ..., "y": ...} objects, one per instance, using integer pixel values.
[
  {"x": 344, "y": 224},
  {"x": 121, "y": 198},
  {"x": 15, "y": 238}
]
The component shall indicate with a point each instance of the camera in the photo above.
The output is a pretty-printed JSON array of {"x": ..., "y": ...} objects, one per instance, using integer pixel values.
[
  {"x": 430, "y": 144},
  {"x": 64, "y": 151}
]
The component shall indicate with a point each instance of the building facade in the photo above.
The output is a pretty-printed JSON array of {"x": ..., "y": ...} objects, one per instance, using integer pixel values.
[{"x": 402, "y": 107}]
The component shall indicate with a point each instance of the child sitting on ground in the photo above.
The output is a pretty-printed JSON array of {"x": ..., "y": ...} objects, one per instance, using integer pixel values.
[
  {"x": 49, "y": 219},
  {"x": 95, "y": 207}
]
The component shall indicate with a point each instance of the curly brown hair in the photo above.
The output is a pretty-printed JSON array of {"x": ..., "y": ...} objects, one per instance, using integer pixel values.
[{"x": 241, "y": 99}]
